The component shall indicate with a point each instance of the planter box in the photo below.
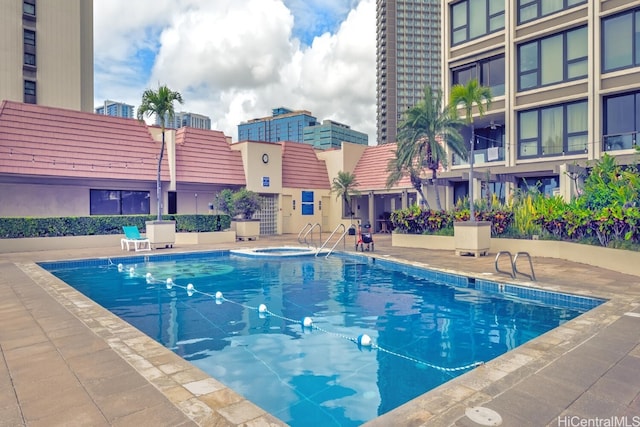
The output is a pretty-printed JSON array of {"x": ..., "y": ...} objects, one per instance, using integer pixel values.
[
  {"x": 472, "y": 238},
  {"x": 204, "y": 238},
  {"x": 247, "y": 229},
  {"x": 161, "y": 233},
  {"x": 422, "y": 241}
]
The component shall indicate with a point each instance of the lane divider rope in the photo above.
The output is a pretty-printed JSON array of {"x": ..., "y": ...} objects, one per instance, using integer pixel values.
[{"x": 362, "y": 341}]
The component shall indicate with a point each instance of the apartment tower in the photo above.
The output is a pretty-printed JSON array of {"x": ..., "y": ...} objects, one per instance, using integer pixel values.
[
  {"x": 565, "y": 78},
  {"x": 408, "y": 59},
  {"x": 47, "y": 52}
]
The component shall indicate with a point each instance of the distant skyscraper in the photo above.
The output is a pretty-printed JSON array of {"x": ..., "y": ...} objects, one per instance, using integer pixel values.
[
  {"x": 116, "y": 109},
  {"x": 408, "y": 58},
  {"x": 47, "y": 53},
  {"x": 332, "y": 134},
  {"x": 283, "y": 125},
  {"x": 191, "y": 120}
]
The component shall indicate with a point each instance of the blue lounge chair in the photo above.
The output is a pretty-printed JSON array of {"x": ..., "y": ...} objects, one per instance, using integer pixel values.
[{"x": 132, "y": 236}]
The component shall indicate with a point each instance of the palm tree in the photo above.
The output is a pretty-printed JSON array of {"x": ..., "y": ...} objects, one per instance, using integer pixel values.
[
  {"x": 470, "y": 95},
  {"x": 344, "y": 186},
  {"x": 159, "y": 103},
  {"x": 420, "y": 138}
]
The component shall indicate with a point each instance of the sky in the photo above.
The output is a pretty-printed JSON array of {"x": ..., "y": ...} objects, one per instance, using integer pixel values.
[{"x": 236, "y": 60}]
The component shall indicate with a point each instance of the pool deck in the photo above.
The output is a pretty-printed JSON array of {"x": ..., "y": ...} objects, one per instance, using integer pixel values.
[{"x": 68, "y": 362}]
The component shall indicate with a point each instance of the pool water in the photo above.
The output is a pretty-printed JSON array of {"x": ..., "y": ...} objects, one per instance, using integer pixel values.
[{"x": 424, "y": 332}]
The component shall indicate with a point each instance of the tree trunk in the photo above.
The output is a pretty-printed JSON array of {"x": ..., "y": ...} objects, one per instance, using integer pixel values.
[
  {"x": 472, "y": 213},
  {"x": 434, "y": 180},
  {"x": 159, "y": 181}
]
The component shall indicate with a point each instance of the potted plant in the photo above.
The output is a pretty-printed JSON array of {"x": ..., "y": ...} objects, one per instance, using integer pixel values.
[
  {"x": 160, "y": 104},
  {"x": 241, "y": 205}
]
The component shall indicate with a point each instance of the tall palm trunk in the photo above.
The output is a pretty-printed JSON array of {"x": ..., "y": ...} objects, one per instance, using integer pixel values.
[
  {"x": 159, "y": 181},
  {"x": 436, "y": 190},
  {"x": 472, "y": 213}
]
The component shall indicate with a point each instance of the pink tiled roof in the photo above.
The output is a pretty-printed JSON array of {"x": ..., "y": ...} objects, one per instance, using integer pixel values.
[
  {"x": 301, "y": 168},
  {"x": 205, "y": 156},
  {"x": 44, "y": 141},
  {"x": 371, "y": 170}
]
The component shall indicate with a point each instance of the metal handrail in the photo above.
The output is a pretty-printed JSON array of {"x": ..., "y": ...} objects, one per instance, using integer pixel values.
[
  {"x": 344, "y": 233},
  {"x": 302, "y": 231},
  {"x": 511, "y": 273},
  {"x": 310, "y": 231},
  {"x": 532, "y": 276}
]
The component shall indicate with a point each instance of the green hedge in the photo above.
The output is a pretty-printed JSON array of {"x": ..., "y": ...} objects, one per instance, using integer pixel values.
[{"x": 101, "y": 225}]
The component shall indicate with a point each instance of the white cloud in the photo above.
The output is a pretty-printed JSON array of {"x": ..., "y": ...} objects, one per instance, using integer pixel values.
[{"x": 235, "y": 60}]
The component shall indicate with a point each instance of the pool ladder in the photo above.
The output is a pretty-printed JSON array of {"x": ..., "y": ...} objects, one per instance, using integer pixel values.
[
  {"x": 340, "y": 239},
  {"x": 307, "y": 231},
  {"x": 514, "y": 265}
]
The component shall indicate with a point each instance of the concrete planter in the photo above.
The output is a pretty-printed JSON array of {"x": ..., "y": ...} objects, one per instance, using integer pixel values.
[
  {"x": 205, "y": 238},
  {"x": 472, "y": 238},
  {"x": 423, "y": 241},
  {"x": 161, "y": 233},
  {"x": 248, "y": 229}
]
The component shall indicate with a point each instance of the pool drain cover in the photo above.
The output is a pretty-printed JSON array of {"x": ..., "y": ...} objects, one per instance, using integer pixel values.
[{"x": 483, "y": 416}]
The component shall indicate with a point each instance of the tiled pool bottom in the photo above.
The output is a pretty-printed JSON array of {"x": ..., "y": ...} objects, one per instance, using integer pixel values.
[{"x": 547, "y": 297}]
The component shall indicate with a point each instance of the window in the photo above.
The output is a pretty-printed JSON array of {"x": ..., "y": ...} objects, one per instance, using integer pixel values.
[
  {"x": 529, "y": 10},
  {"x": 30, "y": 92},
  {"x": 555, "y": 59},
  {"x": 30, "y": 59},
  {"x": 29, "y": 7},
  {"x": 621, "y": 121},
  {"x": 552, "y": 131},
  {"x": 489, "y": 72},
  {"x": 119, "y": 202},
  {"x": 471, "y": 19},
  {"x": 29, "y": 38},
  {"x": 621, "y": 41},
  {"x": 307, "y": 203}
]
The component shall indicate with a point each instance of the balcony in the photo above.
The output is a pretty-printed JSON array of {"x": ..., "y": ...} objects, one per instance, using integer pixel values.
[
  {"x": 621, "y": 141},
  {"x": 481, "y": 156}
]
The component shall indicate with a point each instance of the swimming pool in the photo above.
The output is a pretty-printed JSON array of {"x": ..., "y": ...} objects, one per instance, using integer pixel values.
[{"x": 426, "y": 326}]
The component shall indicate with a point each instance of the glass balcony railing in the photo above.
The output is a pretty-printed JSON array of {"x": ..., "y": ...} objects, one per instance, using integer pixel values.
[
  {"x": 621, "y": 141},
  {"x": 481, "y": 156}
]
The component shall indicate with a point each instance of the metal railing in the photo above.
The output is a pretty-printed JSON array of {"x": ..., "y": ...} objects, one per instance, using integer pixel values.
[
  {"x": 513, "y": 262},
  {"x": 341, "y": 238},
  {"x": 307, "y": 232},
  {"x": 621, "y": 141}
]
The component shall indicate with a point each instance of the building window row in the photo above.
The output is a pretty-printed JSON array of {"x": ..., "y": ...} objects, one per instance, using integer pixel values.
[
  {"x": 553, "y": 130},
  {"x": 119, "y": 202},
  {"x": 489, "y": 72},
  {"x": 558, "y": 58},
  {"x": 529, "y": 10},
  {"x": 471, "y": 19},
  {"x": 30, "y": 92},
  {"x": 621, "y": 41}
]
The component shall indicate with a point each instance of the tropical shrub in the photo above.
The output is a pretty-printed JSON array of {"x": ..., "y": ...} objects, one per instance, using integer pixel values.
[{"x": 242, "y": 203}]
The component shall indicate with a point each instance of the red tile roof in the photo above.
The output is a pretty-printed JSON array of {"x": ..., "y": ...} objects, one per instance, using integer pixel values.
[
  {"x": 371, "y": 170},
  {"x": 301, "y": 168},
  {"x": 43, "y": 141},
  {"x": 204, "y": 156}
]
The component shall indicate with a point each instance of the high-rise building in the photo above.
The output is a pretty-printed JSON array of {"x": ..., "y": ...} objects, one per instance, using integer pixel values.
[
  {"x": 47, "y": 52},
  {"x": 565, "y": 80},
  {"x": 332, "y": 134},
  {"x": 283, "y": 125},
  {"x": 116, "y": 109},
  {"x": 183, "y": 119},
  {"x": 408, "y": 58}
]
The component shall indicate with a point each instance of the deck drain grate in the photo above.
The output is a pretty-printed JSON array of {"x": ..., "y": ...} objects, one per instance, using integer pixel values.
[{"x": 483, "y": 416}]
